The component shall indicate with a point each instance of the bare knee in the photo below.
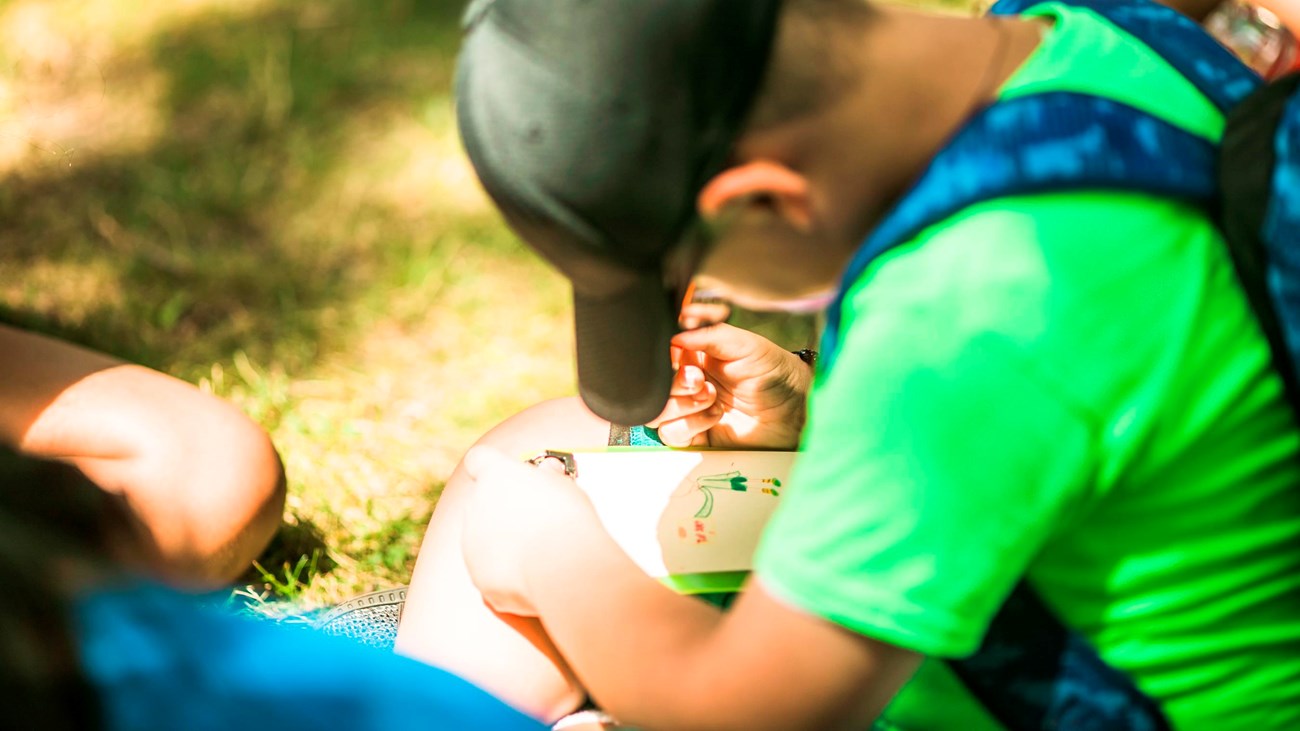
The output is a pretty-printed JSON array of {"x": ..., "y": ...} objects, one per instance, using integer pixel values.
[
  {"x": 203, "y": 481},
  {"x": 226, "y": 517},
  {"x": 563, "y": 423},
  {"x": 241, "y": 509},
  {"x": 445, "y": 621}
]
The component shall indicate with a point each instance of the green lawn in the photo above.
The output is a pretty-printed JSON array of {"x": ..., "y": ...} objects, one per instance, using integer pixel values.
[{"x": 267, "y": 198}]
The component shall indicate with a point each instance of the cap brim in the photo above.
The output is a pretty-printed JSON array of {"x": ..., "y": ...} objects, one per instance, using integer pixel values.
[{"x": 624, "y": 367}]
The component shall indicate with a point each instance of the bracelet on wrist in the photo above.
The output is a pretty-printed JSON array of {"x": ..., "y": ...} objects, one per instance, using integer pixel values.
[{"x": 807, "y": 355}]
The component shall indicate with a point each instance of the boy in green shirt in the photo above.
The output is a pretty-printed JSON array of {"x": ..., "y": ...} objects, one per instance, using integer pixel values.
[{"x": 1064, "y": 388}]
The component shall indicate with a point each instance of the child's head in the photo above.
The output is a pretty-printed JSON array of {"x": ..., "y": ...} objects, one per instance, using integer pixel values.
[{"x": 613, "y": 134}]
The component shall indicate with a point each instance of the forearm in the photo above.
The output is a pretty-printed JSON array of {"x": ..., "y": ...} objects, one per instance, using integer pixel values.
[
  {"x": 534, "y": 546},
  {"x": 638, "y": 648},
  {"x": 655, "y": 659}
]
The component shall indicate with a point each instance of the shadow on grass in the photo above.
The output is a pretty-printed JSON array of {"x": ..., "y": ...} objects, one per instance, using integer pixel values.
[
  {"x": 292, "y": 543},
  {"x": 200, "y": 235}
]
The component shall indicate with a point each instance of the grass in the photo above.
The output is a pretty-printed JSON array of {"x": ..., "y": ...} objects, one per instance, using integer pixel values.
[{"x": 266, "y": 198}]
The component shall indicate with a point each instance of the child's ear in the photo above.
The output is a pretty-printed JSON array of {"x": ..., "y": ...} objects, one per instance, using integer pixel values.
[{"x": 760, "y": 183}]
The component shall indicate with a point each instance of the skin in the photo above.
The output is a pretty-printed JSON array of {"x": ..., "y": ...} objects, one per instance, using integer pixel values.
[
  {"x": 515, "y": 555},
  {"x": 1197, "y": 9},
  {"x": 1288, "y": 11},
  {"x": 202, "y": 482}
]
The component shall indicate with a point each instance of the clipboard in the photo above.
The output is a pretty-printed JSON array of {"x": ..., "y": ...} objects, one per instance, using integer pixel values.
[{"x": 690, "y": 518}]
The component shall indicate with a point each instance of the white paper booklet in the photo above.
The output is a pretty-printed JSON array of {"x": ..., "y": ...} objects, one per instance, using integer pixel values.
[{"x": 691, "y": 518}]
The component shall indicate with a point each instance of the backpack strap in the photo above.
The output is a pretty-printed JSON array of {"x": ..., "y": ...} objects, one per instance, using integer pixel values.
[
  {"x": 1261, "y": 216},
  {"x": 1033, "y": 674},
  {"x": 1211, "y": 68},
  {"x": 1035, "y": 144}
]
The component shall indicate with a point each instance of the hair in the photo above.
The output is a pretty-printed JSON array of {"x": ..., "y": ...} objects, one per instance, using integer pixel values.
[
  {"x": 56, "y": 529},
  {"x": 811, "y": 62}
]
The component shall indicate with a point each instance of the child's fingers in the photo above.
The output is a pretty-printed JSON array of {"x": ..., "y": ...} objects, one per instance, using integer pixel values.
[
  {"x": 688, "y": 381},
  {"x": 723, "y": 342},
  {"x": 691, "y": 429},
  {"x": 685, "y": 404}
]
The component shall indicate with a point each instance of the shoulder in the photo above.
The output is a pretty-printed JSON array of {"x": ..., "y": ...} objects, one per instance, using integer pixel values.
[
  {"x": 991, "y": 261},
  {"x": 1075, "y": 289}
]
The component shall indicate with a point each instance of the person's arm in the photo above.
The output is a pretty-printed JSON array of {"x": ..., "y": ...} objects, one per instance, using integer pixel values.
[{"x": 647, "y": 655}]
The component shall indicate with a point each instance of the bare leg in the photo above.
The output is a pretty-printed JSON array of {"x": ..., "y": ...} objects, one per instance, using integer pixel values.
[
  {"x": 445, "y": 621},
  {"x": 201, "y": 479}
]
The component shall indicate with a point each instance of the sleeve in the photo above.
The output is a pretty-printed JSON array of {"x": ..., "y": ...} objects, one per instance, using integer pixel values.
[{"x": 939, "y": 457}]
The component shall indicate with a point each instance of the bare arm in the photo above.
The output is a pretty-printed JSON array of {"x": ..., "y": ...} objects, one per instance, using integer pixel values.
[{"x": 651, "y": 657}]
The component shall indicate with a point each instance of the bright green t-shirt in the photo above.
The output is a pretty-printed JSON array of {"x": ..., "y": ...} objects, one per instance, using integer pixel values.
[{"x": 1068, "y": 388}]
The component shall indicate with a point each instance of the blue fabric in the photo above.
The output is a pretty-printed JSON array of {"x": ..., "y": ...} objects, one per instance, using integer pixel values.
[
  {"x": 1281, "y": 230},
  {"x": 162, "y": 661},
  {"x": 644, "y": 436},
  {"x": 1032, "y": 673}
]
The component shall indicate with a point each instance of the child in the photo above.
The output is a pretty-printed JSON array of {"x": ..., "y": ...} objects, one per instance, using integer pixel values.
[{"x": 1063, "y": 388}]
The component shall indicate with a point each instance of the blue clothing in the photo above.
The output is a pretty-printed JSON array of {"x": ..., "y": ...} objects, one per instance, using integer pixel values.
[{"x": 161, "y": 661}]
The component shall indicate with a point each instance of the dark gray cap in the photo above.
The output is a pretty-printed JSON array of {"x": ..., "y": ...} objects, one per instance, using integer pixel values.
[{"x": 594, "y": 124}]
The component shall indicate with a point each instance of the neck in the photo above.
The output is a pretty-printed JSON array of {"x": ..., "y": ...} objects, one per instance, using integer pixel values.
[{"x": 921, "y": 77}]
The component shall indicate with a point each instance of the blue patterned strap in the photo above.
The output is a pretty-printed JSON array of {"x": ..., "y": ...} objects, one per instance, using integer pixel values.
[
  {"x": 1034, "y": 144},
  {"x": 1186, "y": 46},
  {"x": 1282, "y": 225},
  {"x": 1281, "y": 232},
  {"x": 1260, "y": 185},
  {"x": 1031, "y": 673}
]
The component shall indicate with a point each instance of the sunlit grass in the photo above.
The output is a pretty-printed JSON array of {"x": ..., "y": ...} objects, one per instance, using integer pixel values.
[{"x": 267, "y": 198}]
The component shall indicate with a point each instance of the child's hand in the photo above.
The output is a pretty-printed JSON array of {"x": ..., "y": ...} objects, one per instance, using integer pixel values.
[
  {"x": 515, "y": 511},
  {"x": 734, "y": 388}
]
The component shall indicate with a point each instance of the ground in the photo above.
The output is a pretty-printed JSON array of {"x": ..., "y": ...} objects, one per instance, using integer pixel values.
[{"x": 267, "y": 198}]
